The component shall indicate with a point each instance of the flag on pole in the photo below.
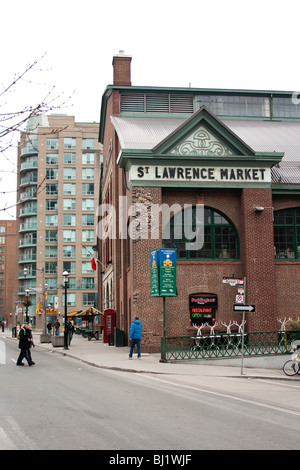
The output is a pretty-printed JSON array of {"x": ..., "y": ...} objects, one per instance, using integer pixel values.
[
  {"x": 93, "y": 263},
  {"x": 93, "y": 260}
]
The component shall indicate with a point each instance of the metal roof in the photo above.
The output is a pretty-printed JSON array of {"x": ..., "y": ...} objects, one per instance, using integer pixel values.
[{"x": 263, "y": 136}]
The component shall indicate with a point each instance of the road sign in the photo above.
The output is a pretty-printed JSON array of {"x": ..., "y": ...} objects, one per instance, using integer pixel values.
[
  {"x": 167, "y": 272},
  {"x": 243, "y": 308},
  {"x": 154, "y": 292},
  {"x": 233, "y": 281},
  {"x": 163, "y": 272}
]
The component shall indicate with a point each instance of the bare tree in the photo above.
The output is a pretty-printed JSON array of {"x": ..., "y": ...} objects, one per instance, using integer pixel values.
[{"x": 14, "y": 121}]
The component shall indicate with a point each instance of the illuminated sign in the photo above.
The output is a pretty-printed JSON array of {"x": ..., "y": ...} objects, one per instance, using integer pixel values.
[{"x": 197, "y": 300}]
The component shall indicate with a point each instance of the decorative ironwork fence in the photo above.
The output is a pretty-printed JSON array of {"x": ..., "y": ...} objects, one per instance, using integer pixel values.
[{"x": 224, "y": 345}]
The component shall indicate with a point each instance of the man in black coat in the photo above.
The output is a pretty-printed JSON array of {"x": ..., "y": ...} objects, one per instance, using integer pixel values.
[{"x": 25, "y": 342}]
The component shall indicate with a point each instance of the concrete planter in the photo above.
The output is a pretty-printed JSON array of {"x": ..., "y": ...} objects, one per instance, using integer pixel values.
[
  {"x": 57, "y": 341},
  {"x": 45, "y": 338}
]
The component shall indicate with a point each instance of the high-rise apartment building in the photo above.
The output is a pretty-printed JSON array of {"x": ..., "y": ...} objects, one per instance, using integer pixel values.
[{"x": 59, "y": 163}]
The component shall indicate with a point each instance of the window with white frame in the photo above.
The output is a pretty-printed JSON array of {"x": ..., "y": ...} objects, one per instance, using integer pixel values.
[
  {"x": 51, "y": 173},
  {"x": 69, "y": 157},
  {"x": 69, "y": 173},
  {"x": 51, "y": 283},
  {"x": 88, "y": 173},
  {"x": 69, "y": 205},
  {"x": 69, "y": 235},
  {"x": 88, "y": 188},
  {"x": 88, "y": 235},
  {"x": 69, "y": 142},
  {"x": 70, "y": 219},
  {"x": 52, "y": 158},
  {"x": 87, "y": 267},
  {"x": 51, "y": 220},
  {"x": 69, "y": 188},
  {"x": 88, "y": 204},
  {"x": 69, "y": 251},
  {"x": 89, "y": 298},
  {"x": 88, "y": 143},
  {"x": 50, "y": 251},
  {"x": 71, "y": 299},
  {"x": 69, "y": 266},
  {"x": 52, "y": 144},
  {"x": 88, "y": 158},
  {"x": 87, "y": 219}
]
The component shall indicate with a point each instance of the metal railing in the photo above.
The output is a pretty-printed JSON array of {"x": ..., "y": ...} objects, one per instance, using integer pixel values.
[{"x": 224, "y": 345}]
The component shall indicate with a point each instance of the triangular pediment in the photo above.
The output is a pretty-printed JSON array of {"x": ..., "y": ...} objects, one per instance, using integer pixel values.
[
  {"x": 203, "y": 135},
  {"x": 202, "y": 142}
]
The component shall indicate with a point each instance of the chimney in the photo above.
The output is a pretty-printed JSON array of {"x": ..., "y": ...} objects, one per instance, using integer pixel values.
[{"x": 121, "y": 66}]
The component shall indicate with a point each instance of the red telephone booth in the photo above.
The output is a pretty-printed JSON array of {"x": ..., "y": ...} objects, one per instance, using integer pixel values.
[{"x": 109, "y": 323}]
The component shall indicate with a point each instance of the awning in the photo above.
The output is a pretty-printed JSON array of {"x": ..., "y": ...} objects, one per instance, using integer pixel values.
[
  {"x": 74, "y": 314},
  {"x": 90, "y": 312}
]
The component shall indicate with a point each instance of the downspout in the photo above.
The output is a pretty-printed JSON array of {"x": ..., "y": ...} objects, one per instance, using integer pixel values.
[{"x": 125, "y": 180}]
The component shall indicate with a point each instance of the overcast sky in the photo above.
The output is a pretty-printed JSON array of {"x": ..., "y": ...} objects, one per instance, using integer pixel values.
[{"x": 215, "y": 44}]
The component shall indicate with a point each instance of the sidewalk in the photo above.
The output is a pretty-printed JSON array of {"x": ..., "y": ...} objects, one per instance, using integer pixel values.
[{"x": 98, "y": 354}]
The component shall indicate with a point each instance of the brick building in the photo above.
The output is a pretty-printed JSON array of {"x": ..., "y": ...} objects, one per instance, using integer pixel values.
[
  {"x": 232, "y": 153},
  {"x": 8, "y": 288}
]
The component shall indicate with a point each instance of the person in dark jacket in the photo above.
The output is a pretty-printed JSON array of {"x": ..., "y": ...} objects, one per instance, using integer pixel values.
[
  {"x": 31, "y": 343},
  {"x": 135, "y": 335},
  {"x": 25, "y": 342}
]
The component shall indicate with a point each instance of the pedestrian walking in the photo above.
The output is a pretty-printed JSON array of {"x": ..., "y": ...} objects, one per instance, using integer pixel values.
[
  {"x": 49, "y": 327},
  {"x": 70, "y": 330},
  {"x": 25, "y": 341},
  {"x": 31, "y": 343},
  {"x": 57, "y": 326},
  {"x": 135, "y": 335}
]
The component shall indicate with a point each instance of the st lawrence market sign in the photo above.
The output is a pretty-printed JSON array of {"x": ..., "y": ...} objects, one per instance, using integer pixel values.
[{"x": 188, "y": 174}]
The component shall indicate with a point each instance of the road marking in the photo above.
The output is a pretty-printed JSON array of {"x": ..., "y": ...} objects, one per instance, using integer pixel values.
[
  {"x": 19, "y": 435},
  {"x": 225, "y": 395},
  {"x": 5, "y": 442}
]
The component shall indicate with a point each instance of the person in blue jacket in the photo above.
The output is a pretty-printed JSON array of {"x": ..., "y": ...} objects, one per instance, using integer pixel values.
[{"x": 135, "y": 335}]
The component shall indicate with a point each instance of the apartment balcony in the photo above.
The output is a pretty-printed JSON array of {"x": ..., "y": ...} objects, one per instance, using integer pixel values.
[
  {"x": 27, "y": 242},
  {"x": 22, "y": 289},
  {"x": 27, "y": 258},
  {"x": 32, "y": 179},
  {"x": 28, "y": 211},
  {"x": 28, "y": 227},
  {"x": 29, "y": 193},
  {"x": 30, "y": 148},
  {"x": 29, "y": 165},
  {"x": 31, "y": 274}
]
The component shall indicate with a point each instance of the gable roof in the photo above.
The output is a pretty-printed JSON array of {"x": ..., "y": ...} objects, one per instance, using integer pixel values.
[
  {"x": 147, "y": 133},
  {"x": 197, "y": 131}
]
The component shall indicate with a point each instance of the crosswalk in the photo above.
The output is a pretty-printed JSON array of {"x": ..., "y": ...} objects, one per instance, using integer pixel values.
[{"x": 12, "y": 437}]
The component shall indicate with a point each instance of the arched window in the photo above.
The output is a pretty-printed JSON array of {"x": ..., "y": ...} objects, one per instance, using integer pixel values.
[
  {"x": 219, "y": 241},
  {"x": 287, "y": 233}
]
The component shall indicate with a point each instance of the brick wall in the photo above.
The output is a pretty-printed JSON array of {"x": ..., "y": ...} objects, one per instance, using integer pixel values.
[{"x": 259, "y": 262}]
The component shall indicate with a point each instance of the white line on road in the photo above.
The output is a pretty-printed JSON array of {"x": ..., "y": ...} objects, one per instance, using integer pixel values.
[
  {"x": 19, "y": 435},
  {"x": 224, "y": 395},
  {"x": 5, "y": 442}
]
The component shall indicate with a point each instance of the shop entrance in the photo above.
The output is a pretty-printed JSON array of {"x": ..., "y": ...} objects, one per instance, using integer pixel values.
[{"x": 203, "y": 309}]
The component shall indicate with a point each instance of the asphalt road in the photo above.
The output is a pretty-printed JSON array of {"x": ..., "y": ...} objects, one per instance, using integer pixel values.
[{"x": 61, "y": 403}]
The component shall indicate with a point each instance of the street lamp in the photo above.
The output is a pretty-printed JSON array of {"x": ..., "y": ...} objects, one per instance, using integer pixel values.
[
  {"x": 27, "y": 295},
  {"x": 65, "y": 276}
]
